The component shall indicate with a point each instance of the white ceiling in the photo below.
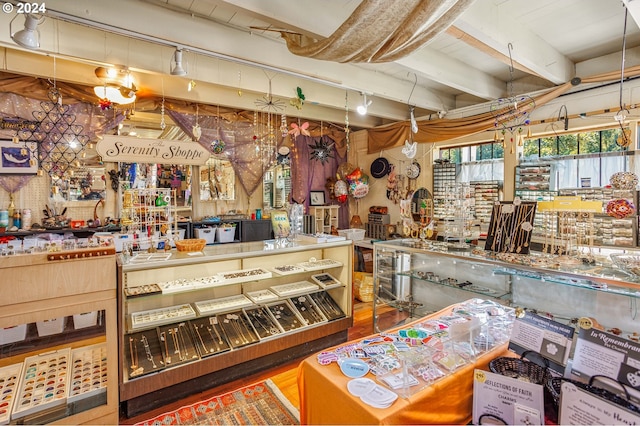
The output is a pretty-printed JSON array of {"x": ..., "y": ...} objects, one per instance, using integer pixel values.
[{"x": 552, "y": 41}]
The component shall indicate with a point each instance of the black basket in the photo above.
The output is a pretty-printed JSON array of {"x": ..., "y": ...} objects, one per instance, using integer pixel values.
[
  {"x": 519, "y": 368},
  {"x": 554, "y": 385}
]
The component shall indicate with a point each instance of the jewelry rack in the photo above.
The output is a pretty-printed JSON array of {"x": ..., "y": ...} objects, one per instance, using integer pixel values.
[
  {"x": 144, "y": 353},
  {"x": 510, "y": 227},
  {"x": 286, "y": 316},
  {"x": 458, "y": 201},
  {"x": 150, "y": 213},
  {"x": 308, "y": 310}
]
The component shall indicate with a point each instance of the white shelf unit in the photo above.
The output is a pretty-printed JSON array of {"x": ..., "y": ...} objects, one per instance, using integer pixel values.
[{"x": 324, "y": 218}]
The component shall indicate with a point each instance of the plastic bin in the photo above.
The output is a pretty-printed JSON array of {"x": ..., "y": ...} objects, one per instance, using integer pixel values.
[
  {"x": 208, "y": 234},
  {"x": 226, "y": 234},
  {"x": 13, "y": 334},
  {"x": 87, "y": 319},
  {"x": 352, "y": 234},
  {"x": 49, "y": 327}
]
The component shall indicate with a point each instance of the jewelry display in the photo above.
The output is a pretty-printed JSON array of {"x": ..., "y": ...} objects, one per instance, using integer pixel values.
[
  {"x": 177, "y": 345},
  {"x": 261, "y": 296},
  {"x": 457, "y": 204},
  {"x": 285, "y": 315},
  {"x": 307, "y": 309},
  {"x": 208, "y": 307},
  {"x": 292, "y": 289},
  {"x": 88, "y": 371},
  {"x": 234, "y": 277},
  {"x": 237, "y": 328},
  {"x": 143, "y": 290},
  {"x": 8, "y": 386},
  {"x": 510, "y": 227},
  {"x": 317, "y": 265},
  {"x": 149, "y": 344},
  {"x": 326, "y": 281},
  {"x": 180, "y": 285},
  {"x": 161, "y": 316},
  {"x": 327, "y": 305},
  {"x": 203, "y": 346},
  {"x": 288, "y": 269},
  {"x": 149, "y": 257},
  {"x": 147, "y": 350},
  {"x": 44, "y": 383},
  {"x": 262, "y": 321}
]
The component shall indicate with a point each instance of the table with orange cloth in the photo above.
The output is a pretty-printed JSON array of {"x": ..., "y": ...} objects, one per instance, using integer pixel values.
[{"x": 324, "y": 398}]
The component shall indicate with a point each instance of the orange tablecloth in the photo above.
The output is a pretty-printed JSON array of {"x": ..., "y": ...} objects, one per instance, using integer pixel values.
[{"x": 324, "y": 398}]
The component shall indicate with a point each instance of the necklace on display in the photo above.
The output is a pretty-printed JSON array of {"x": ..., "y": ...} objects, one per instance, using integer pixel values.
[
  {"x": 195, "y": 327},
  {"x": 147, "y": 350}
]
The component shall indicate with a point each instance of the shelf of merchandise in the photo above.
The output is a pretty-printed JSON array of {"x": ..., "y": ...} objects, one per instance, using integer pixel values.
[
  {"x": 535, "y": 182},
  {"x": 51, "y": 300},
  {"x": 485, "y": 195},
  {"x": 325, "y": 218},
  {"x": 444, "y": 175},
  {"x": 151, "y": 212},
  {"x": 187, "y": 290},
  {"x": 600, "y": 228},
  {"x": 422, "y": 277}
]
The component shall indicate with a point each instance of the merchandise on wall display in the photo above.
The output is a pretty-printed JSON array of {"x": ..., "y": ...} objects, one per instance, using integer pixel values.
[
  {"x": 510, "y": 227},
  {"x": 624, "y": 180},
  {"x": 380, "y": 167}
]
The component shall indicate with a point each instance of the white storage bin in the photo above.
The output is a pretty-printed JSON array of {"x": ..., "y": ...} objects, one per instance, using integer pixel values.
[
  {"x": 352, "y": 234},
  {"x": 49, "y": 327},
  {"x": 118, "y": 239},
  {"x": 208, "y": 234},
  {"x": 226, "y": 235},
  {"x": 87, "y": 319},
  {"x": 13, "y": 334}
]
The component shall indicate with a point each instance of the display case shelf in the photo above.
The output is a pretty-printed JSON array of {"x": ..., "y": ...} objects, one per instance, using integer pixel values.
[
  {"x": 219, "y": 362},
  {"x": 416, "y": 277}
]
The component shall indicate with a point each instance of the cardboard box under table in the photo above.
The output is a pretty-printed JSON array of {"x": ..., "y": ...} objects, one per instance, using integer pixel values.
[{"x": 324, "y": 398}]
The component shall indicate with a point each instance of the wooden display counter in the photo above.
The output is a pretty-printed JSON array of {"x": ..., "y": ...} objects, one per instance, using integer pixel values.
[
  {"x": 324, "y": 398},
  {"x": 62, "y": 305}
]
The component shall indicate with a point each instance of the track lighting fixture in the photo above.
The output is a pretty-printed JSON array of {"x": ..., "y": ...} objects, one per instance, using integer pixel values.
[
  {"x": 176, "y": 63},
  {"x": 362, "y": 109},
  {"x": 28, "y": 37}
]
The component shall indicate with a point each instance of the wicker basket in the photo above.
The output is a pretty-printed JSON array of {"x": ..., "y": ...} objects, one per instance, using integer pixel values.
[
  {"x": 554, "y": 385},
  {"x": 190, "y": 245},
  {"x": 520, "y": 369}
]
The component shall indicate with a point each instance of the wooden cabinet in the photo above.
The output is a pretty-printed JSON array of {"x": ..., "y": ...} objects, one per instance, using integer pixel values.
[
  {"x": 61, "y": 312},
  {"x": 189, "y": 323},
  {"x": 324, "y": 217}
]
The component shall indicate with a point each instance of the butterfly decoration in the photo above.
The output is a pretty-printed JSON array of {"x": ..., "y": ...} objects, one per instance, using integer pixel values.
[
  {"x": 410, "y": 149},
  {"x": 299, "y": 130},
  {"x": 298, "y": 101}
]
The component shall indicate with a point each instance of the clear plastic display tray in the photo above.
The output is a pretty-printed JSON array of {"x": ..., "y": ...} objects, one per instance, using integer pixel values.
[
  {"x": 293, "y": 289},
  {"x": 318, "y": 265},
  {"x": 88, "y": 372},
  {"x": 207, "y": 307},
  {"x": 262, "y": 296},
  {"x": 142, "y": 290},
  {"x": 44, "y": 383},
  {"x": 9, "y": 382},
  {"x": 149, "y": 257},
  {"x": 288, "y": 269},
  {"x": 160, "y": 316},
  {"x": 244, "y": 275}
]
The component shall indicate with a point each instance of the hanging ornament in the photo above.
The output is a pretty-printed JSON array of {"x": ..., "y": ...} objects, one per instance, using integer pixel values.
[
  {"x": 299, "y": 130},
  {"x": 341, "y": 191},
  {"x": 298, "y": 101},
  {"x": 321, "y": 151},
  {"x": 105, "y": 104},
  {"x": 196, "y": 129}
]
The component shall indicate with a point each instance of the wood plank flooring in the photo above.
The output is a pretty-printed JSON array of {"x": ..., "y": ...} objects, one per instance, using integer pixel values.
[{"x": 284, "y": 376}]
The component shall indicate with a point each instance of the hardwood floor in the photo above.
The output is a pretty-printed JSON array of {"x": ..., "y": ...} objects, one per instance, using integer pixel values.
[{"x": 284, "y": 376}]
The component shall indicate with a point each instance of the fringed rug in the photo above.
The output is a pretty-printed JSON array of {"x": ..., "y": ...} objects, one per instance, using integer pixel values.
[{"x": 259, "y": 404}]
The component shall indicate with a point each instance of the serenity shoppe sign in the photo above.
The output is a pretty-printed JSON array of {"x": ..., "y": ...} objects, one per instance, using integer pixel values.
[{"x": 129, "y": 149}]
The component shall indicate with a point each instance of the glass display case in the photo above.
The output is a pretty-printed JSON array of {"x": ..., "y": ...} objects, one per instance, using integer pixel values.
[
  {"x": 194, "y": 320},
  {"x": 413, "y": 278},
  {"x": 58, "y": 339}
]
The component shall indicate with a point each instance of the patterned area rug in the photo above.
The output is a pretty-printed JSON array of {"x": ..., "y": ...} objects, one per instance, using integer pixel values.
[{"x": 259, "y": 404}]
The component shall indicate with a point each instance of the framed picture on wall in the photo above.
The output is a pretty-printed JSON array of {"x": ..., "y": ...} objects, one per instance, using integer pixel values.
[
  {"x": 18, "y": 158},
  {"x": 316, "y": 198}
]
